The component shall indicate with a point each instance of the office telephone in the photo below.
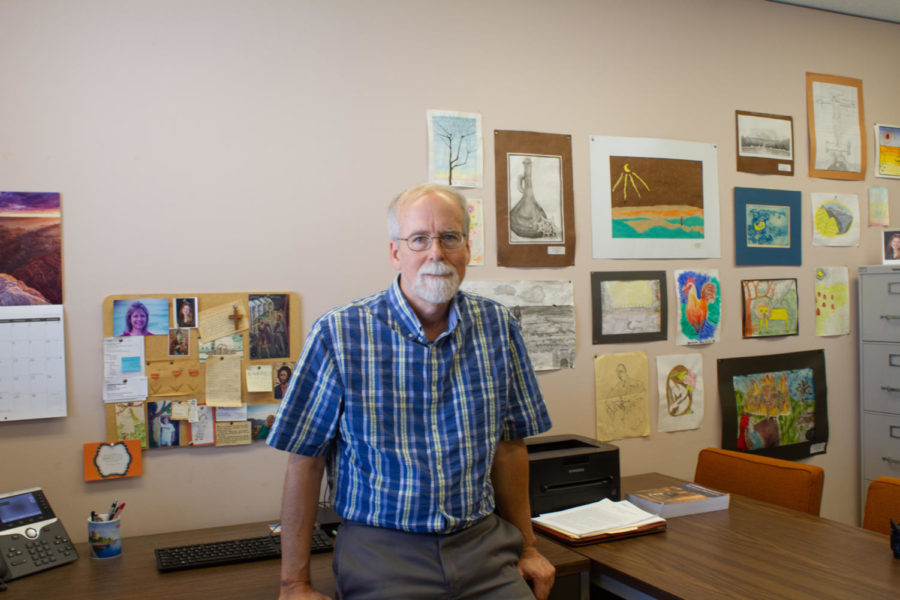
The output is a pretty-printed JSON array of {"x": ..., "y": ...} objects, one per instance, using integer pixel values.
[{"x": 32, "y": 538}]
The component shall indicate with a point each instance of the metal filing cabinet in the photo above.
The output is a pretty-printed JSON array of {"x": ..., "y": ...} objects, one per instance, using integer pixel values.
[{"x": 879, "y": 374}]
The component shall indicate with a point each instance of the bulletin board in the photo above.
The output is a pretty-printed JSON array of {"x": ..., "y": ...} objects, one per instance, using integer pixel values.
[{"x": 184, "y": 404}]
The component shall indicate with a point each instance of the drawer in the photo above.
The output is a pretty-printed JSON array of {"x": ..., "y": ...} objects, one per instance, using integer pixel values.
[
  {"x": 880, "y": 377},
  {"x": 880, "y": 307},
  {"x": 881, "y": 445}
]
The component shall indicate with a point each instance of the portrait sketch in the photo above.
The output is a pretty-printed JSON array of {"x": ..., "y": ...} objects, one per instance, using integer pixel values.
[{"x": 622, "y": 395}]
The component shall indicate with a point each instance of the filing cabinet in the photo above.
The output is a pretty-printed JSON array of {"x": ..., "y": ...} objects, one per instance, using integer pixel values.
[{"x": 879, "y": 374}]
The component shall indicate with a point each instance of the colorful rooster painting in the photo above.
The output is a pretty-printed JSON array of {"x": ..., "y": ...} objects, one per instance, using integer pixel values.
[{"x": 699, "y": 301}]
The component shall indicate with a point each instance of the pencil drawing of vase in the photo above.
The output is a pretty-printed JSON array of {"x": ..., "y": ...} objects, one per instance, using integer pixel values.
[{"x": 527, "y": 219}]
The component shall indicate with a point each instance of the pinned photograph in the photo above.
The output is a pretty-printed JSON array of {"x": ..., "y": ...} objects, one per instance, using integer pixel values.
[
  {"x": 143, "y": 316},
  {"x": 185, "y": 312}
]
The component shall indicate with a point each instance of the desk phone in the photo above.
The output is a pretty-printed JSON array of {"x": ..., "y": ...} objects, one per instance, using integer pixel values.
[{"x": 32, "y": 538}]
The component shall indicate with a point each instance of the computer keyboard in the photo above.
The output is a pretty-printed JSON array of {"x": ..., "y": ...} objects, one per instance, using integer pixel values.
[{"x": 213, "y": 554}]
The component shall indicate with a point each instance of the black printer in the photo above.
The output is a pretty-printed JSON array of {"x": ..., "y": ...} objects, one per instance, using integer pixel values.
[{"x": 570, "y": 470}]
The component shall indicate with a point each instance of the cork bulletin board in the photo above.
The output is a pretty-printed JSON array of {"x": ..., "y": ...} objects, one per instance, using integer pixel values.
[{"x": 192, "y": 391}]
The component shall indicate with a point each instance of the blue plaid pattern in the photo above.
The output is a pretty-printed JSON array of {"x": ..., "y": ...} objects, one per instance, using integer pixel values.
[{"x": 413, "y": 424}]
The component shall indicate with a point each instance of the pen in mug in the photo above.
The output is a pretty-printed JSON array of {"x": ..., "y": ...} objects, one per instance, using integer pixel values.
[
  {"x": 112, "y": 508},
  {"x": 118, "y": 512}
]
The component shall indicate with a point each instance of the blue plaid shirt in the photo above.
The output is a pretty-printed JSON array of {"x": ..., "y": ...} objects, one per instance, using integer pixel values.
[{"x": 413, "y": 424}]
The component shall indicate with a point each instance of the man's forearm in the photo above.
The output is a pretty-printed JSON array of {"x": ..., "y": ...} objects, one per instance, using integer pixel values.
[
  {"x": 298, "y": 517},
  {"x": 509, "y": 476}
]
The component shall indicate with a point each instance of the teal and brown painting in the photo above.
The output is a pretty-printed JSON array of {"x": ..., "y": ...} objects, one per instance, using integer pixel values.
[
  {"x": 30, "y": 249},
  {"x": 656, "y": 197}
]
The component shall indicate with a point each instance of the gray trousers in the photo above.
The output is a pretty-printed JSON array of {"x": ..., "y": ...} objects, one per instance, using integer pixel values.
[{"x": 372, "y": 563}]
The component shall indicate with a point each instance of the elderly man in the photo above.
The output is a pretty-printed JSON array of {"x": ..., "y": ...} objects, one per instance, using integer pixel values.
[{"x": 419, "y": 397}]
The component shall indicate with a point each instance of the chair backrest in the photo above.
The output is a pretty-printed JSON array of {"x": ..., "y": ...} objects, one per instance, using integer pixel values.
[
  {"x": 882, "y": 504},
  {"x": 782, "y": 482}
]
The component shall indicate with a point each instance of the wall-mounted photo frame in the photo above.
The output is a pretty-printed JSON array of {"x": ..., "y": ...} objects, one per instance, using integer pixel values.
[
  {"x": 837, "y": 133},
  {"x": 767, "y": 227},
  {"x": 629, "y": 306},
  {"x": 887, "y": 151},
  {"x": 891, "y": 245},
  {"x": 775, "y": 405},
  {"x": 535, "y": 199},
  {"x": 770, "y": 307},
  {"x": 765, "y": 143}
]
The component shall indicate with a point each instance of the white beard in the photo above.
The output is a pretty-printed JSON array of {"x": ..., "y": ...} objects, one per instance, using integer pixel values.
[{"x": 436, "y": 290}]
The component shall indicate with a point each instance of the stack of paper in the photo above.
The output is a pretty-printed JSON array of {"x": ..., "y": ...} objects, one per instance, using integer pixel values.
[{"x": 599, "y": 521}]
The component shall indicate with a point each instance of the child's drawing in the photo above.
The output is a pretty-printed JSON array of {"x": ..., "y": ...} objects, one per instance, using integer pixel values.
[
  {"x": 832, "y": 301},
  {"x": 770, "y": 307},
  {"x": 699, "y": 306}
]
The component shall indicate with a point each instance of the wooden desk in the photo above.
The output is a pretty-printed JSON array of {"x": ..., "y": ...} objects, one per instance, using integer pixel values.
[
  {"x": 752, "y": 550},
  {"x": 134, "y": 574}
]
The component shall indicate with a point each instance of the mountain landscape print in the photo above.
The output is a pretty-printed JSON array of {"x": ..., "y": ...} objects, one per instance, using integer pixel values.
[{"x": 30, "y": 248}]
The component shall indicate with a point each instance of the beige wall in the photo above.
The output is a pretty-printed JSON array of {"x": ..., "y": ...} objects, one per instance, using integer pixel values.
[{"x": 223, "y": 146}]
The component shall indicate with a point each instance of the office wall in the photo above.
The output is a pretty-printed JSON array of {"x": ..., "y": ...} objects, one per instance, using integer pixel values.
[{"x": 221, "y": 145}]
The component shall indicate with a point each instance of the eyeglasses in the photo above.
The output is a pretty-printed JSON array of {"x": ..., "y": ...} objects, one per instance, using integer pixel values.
[{"x": 450, "y": 240}]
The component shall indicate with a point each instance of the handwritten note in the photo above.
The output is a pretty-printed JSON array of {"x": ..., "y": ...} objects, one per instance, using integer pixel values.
[
  {"x": 223, "y": 381},
  {"x": 259, "y": 378}
]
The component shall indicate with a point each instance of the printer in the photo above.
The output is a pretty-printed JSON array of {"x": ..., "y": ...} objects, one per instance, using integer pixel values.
[{"x": 570, "y": 470}]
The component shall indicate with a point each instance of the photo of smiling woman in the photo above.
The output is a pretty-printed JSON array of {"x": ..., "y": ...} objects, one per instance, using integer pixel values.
[{"x": 142, "y": 316}]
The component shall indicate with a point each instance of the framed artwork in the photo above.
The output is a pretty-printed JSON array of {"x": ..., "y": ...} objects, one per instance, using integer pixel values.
[
  {"x": 891, "y": 245},
  {"x": 765, "y": 143},
  {"x": 837, "y": 135},
  {"x": 770, "y": 307},
  {"x": 455, "y": 148},
  {"x": 774, "y": 405},
  {"x": 887, "y": 151},
  {"x": 654, "y": 198},
  {"x": 699, "y": 299},
  {"x": 766, "y": 227},
  {"x": 535, "y": 199},
  {"x": 629, "y": 306}
]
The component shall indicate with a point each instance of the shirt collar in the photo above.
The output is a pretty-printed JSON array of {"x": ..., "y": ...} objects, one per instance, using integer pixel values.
[{"x": 404, "y": 313}]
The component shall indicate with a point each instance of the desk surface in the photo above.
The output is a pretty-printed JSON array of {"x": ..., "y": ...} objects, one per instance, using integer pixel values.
[
  {"x": 752, "y": 550},
  {"x": 134, "y": 574}
]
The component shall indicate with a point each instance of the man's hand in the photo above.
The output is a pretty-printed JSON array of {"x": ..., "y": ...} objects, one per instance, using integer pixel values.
[
  {"x": 537, "y": 571},
  {"x": 300, "y": 591}
]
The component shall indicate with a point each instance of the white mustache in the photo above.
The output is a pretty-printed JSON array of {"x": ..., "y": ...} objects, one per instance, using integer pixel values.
[{"x": 437, "y": 268}]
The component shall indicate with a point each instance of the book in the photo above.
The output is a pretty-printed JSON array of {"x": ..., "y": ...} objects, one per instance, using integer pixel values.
[
  {"x": 679, "y": 500},
  {"x": 600, "y": 521}
]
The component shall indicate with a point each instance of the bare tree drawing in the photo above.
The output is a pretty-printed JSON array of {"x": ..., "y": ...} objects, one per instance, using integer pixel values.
[{"x": 459, "y": 137}]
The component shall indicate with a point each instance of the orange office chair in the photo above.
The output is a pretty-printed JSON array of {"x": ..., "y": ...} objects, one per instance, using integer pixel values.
[
  {"x": 882, "y": 504},
  {"x": 782, "y": 482}
]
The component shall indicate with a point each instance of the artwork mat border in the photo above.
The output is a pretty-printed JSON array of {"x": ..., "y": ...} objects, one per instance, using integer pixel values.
[
  {"x": 744, "y": 309},
  {"x": 727, "y": 368},
  {"x": 759, "y": 164},
  {"x": 604, "y": 245},
  {"x": 746, "y": 255},
  {"x": 538, "y": 254},
  {"x": 812, "y": 78},
  {"x": 598, "y": 277}
]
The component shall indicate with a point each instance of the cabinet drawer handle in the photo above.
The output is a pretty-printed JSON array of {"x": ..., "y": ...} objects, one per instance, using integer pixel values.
[
  {"x": 891, "y": 461},
  {"x": 894, "y": 360},
  {"x": 887, "y": 388},
  {"x": 892, "y": 287},
  {"x": 890, "y": 317},
  {"x": 894, "y": 431}
]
